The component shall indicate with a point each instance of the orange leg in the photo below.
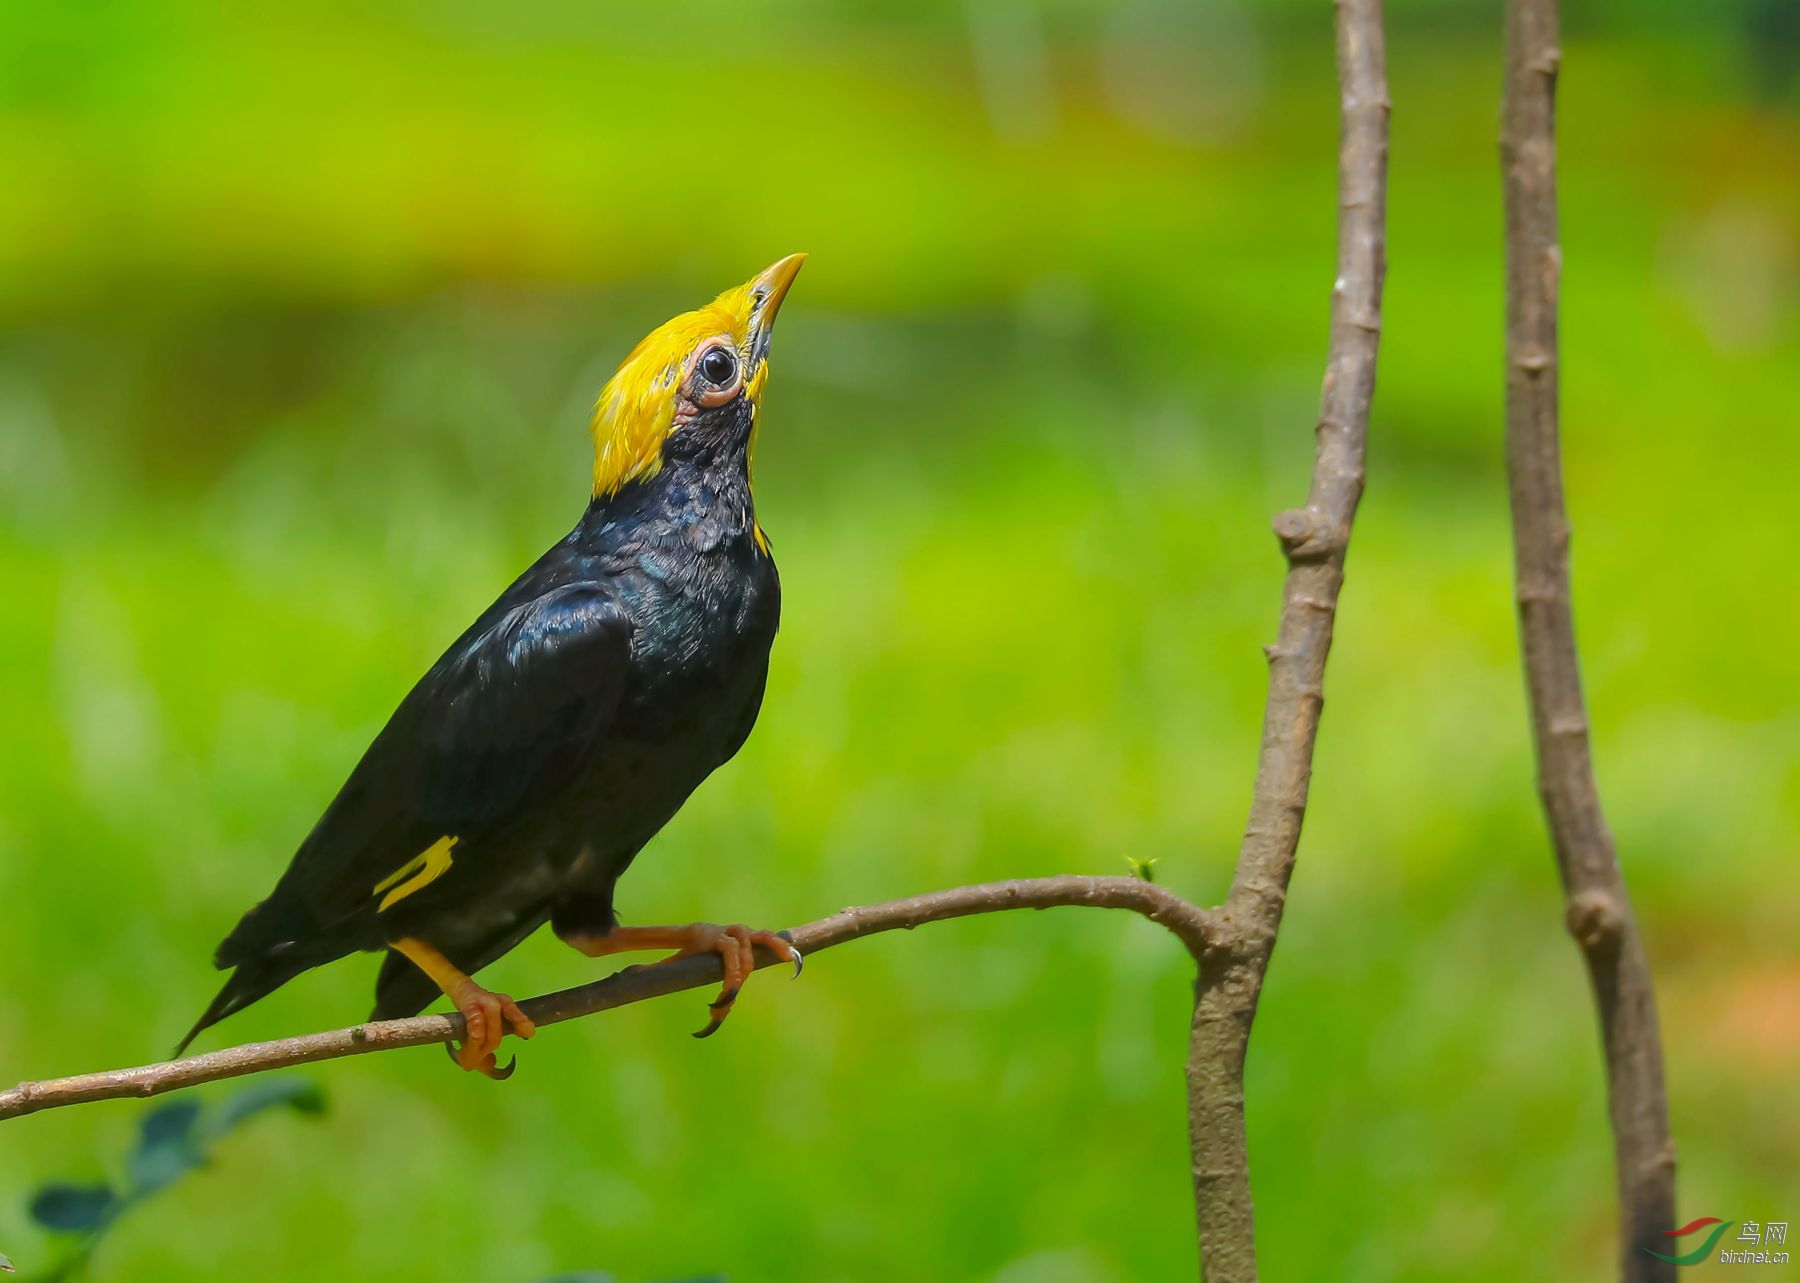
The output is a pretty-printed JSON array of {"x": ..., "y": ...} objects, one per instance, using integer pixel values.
[
  {"x": 734, "y": 944},
  {"x": 485, "y": 1014}
]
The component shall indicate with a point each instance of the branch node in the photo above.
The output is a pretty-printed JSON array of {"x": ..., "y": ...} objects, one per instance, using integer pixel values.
[
  {"x": 1595, "y": 920},
  {"x": 1598, "y": 910},
  {"x": 1569, "y": 725},
  {"x": 1189, "y": 923},
  {"x": 1305, "y": 535},
  {"x": 1314, "y": 539}
]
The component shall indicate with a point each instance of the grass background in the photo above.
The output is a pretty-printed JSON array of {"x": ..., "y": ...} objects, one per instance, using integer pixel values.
[{"x": 301, "y": 312}]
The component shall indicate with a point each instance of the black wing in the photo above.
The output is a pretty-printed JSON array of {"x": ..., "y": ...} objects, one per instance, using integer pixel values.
[{"x": 503, "y": 721}]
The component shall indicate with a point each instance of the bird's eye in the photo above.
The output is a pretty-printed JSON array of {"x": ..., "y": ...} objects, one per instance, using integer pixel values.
[{"x": 719, "y": 366}]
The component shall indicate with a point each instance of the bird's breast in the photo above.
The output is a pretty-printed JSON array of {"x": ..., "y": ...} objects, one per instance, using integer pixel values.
[
  {"x": 699, "y": 656},
  {"x": 703, "y": 621}
]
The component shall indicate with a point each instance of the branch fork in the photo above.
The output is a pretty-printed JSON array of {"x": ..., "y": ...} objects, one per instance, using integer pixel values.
[{"x": 1231, "y": 944}]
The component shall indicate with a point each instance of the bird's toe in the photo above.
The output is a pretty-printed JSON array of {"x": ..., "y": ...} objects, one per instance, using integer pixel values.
[
  {"x": 486, "y": 1017},
  {"x": 736, "y": 946}
]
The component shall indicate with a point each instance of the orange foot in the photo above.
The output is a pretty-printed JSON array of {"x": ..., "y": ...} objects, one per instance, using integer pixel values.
[
  {"x": 735, "y": 945},
  {"x": 485, "y": 1014}
]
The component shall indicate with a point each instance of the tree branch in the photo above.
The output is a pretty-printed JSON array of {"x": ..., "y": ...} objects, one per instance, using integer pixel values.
[
  {"x": 1191, "y": 924},
  {"x": 1314, "y": 539},
  {"x": 1598, "y": 909},
  {"x": 1232, "y": 945}
]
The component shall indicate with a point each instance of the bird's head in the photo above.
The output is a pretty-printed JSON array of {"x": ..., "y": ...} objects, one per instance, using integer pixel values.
[{"x": 701, "y": 373}]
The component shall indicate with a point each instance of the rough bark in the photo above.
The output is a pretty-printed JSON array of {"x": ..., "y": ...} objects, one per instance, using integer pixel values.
[
  {"x": 1232, "y": 944},
  {"x": 1314, "y": 539},
  {"x": 1187, "y": 922},
  {"x": 1598, "y": 910}
]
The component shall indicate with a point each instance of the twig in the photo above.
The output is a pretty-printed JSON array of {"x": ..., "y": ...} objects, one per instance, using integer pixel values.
[
  {"x": 1232, "y": 945},
  {"x": 1191, "y": 924},
  {"x": 1314, "y": 539},
  {"x": 1598, "y": 909}
]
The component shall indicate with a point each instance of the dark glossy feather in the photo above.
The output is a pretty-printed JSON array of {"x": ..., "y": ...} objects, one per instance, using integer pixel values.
[
  {"x": 501, "y": 723},
  {"x": 551, "y": 741}
]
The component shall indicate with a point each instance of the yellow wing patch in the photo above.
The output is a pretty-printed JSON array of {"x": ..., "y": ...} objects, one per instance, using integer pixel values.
[{"x": 417, "y": 873}]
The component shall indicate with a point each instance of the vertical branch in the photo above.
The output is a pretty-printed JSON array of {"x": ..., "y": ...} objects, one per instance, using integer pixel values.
[
  {"x": 1598, "y": 910},
  {"x": 1314, "y": 539}
]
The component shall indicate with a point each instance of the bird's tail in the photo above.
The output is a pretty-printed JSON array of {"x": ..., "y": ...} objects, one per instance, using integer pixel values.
[{"x": 251, "y": 980}]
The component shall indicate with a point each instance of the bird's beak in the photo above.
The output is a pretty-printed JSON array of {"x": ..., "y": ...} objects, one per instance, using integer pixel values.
[{"x": 766, "y": 292}]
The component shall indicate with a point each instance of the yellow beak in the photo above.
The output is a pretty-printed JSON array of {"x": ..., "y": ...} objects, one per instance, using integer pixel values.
[{"x": 767, "y": 290}]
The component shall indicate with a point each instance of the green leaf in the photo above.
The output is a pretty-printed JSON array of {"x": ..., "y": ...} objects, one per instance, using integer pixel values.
[
  {"x": 73, "y": 1209},
  {"x": 168, "y": 1147},
  {"x": 301, "y": 1094},
  {"x": 170, "y": 1124},
  {"x": 1143, "y": 870}
]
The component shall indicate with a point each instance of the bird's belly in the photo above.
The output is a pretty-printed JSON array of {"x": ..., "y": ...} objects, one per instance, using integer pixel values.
[{"x": 636, "y": 783}]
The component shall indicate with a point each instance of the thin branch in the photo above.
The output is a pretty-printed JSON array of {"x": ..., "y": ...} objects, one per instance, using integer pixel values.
[
  {"x": 1598, "y": 909},
  {"x": 1232, "y": 945},
  {"x": 1314, "y": 539},
  {"x": 1192, "y": 925}
]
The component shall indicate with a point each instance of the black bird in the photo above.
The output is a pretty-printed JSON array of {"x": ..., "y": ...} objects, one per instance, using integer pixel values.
[{"x": 519, "y": 778}]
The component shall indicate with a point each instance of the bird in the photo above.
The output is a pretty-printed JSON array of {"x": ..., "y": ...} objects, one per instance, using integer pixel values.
[{"x": 519, "y": 778}]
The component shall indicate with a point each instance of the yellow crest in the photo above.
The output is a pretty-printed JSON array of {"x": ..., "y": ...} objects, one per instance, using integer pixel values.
[{"x": 636, "y": 409}]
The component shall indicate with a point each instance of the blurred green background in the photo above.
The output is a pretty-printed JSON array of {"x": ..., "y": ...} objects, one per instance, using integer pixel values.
[{"x": 303, "y": 309}]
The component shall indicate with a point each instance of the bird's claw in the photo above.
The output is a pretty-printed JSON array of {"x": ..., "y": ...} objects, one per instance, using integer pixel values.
[
  {"x": 736, "y": 947},
  {"x": 486, "y": 1017},
  {"x": 720, "y": 1007},
  {"x": 488, "y": 1065},
  {"x": 712, "y": 1026},
  {"x": 793, "y": 954}
]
